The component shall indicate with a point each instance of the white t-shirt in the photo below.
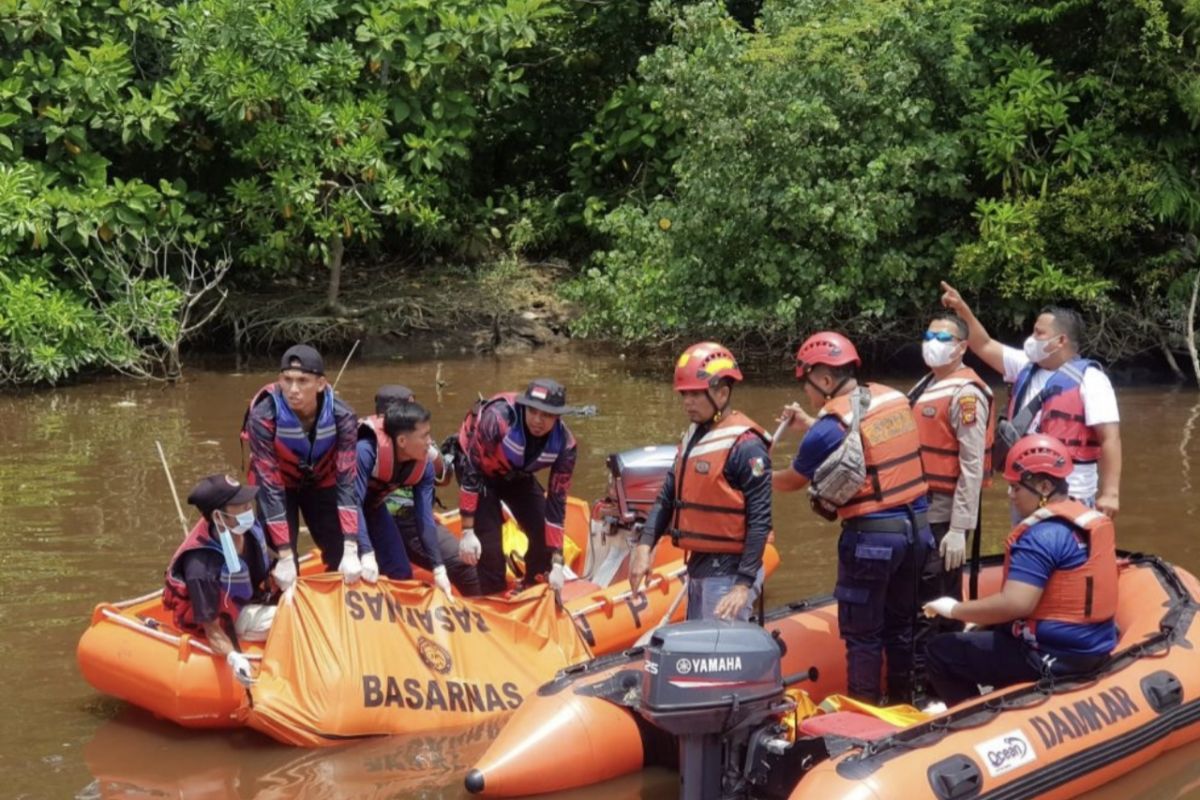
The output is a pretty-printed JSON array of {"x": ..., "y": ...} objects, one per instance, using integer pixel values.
[{"x": 1099, "y": 408}]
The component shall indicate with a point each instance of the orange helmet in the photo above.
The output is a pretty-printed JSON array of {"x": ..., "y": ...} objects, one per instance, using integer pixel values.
[
  {"x": 1037, "y": 454},
  {"x": 703, "y": 365},
  {"x": 828, "y": 348}
]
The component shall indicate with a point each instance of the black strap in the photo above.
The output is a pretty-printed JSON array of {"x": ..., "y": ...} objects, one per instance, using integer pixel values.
[
  {"x": 976, "y": 546},
  {"x": 1023, "y": 418},
  {"x": 681, "y": 504},
  {"x": 914, "y": 394}
]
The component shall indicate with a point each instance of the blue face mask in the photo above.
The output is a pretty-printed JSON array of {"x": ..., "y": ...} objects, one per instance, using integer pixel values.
[
  {"x": 245, "y": 521},
  {"x": 232, "y": 562}
]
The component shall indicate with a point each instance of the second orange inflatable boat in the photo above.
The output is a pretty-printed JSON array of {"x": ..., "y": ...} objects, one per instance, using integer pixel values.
[{"x": 1053, "y": 740}]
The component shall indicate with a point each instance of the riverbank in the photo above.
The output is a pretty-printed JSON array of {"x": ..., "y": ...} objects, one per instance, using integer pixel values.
[{"x": 397, "y": 310}]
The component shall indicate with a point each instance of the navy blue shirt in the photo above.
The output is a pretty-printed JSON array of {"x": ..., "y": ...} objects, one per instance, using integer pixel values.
[
  {"x": 1048, "y": 546},
  {"x": 422, "y": 498},
  {"x": 748, "y": 470}
]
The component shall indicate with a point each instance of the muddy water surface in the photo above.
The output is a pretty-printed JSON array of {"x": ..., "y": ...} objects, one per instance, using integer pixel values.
[{"x": 86, "y": 515}]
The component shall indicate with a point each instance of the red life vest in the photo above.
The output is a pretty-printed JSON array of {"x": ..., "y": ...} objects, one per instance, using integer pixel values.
[
  {"x": 939, "y": 444},
  {"x": 301, "y": 462},
  {"x": 387, "y": 475},
  {"x": 891, "y": 450},
  {"x": 1062, "y": 414},
  {"x": 509, "y": 453},
  {"x": 710, "y": 515},
  {"x": 1088, "y": 593},
  {"x": 175, "y": 594}
]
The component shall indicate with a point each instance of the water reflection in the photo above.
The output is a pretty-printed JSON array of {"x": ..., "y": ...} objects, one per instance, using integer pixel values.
[
  {"x": 136, "y": 756},
  {"x": 86, "y": 516}
]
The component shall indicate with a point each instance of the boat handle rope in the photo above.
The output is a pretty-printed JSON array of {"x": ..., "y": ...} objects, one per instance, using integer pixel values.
[{"x": 653, "y": 583}]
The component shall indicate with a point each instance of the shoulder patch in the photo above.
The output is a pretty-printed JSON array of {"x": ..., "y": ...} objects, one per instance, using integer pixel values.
[
  {"x": 757, "y": 467},
  {"x": 967, "y": 409}
]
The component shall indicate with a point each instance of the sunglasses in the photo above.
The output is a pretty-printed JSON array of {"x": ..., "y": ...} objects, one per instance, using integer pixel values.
[{"x": 941, "y": 336}]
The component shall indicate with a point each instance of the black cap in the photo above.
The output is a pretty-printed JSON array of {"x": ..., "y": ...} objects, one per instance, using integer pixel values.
[
  {"x": 304, "y": 358},
  {"x": 218, "y": 491},
  {"x": 546, "y": 395},
  {"x": 392, "y": 394}
]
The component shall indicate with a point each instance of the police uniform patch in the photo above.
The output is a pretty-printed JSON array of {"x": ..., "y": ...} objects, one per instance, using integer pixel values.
[
  {"x": 757, "y": 467},
  {"x": 967, "y": 409}
]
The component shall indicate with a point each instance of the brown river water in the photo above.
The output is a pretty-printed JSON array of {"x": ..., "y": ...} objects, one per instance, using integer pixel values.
[{"x": 86, "y": 515}]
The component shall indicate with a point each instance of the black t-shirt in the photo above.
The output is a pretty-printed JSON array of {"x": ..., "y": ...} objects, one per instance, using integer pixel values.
[{"x": 201, "y": 571}]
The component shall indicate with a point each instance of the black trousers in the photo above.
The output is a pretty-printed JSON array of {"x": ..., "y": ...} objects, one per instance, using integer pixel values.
[
  {"x": 320, "y": 509},
  {"x": 526, "y": 500},
  {"x": 936, "y": 582},
  {"x": 464, "y": 576}
]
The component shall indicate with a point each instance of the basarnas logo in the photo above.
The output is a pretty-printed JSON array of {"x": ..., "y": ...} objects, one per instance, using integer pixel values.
[
  {"x": 436, "y": 657},
  {"x": 1006, "y": 752}
]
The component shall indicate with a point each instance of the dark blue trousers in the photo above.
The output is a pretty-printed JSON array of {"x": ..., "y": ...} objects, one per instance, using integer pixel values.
[
  {"x": 389, "y": 546},
  {"x": 877, "y": 607},
  {"x": 958, "y": 662}
]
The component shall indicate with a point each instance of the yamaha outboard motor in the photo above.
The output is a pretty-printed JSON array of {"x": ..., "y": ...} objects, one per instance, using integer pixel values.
[
  {"x": 712, "y": 684},
  {"x": 635, "y": 477}
]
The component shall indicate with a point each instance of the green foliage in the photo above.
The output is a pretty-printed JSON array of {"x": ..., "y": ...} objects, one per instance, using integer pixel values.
[
  {"x": 348, "y": 117},
  {"x": 817, "y": 178}
]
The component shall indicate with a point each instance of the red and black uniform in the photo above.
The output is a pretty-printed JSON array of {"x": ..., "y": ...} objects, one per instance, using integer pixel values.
[
  {"x": 304, "y": 471},
  {"x": 716, "y": 502},
  {"x": 499, "y": 460},
  {"x": 199, "y": 587},
  {"x": 378, "y": 475}
]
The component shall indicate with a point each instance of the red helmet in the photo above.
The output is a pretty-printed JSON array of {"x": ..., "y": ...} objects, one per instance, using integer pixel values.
[
  {"x": 828, "y": 348},
  {"x": 703, "y": 365},
  {"x": 1038, "y": 454}
]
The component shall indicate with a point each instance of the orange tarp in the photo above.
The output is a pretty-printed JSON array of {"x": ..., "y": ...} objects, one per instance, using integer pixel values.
[{"x": 344, "y": 662}]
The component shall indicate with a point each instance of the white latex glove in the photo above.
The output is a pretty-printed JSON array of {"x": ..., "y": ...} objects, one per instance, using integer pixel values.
[
  {"x": 442, "y": 581},
  {"x": 557, "y": 577},
  {"x": 285, "y": 570},
  {"x": 953, "y": 549},
  {"x": 941, "y": 607},
  {"x": 370, "y": 567},
  {"x": 241, "y": 668},
  {"x": 469, "y": 548},
  {"x": 350, "y": 566}
]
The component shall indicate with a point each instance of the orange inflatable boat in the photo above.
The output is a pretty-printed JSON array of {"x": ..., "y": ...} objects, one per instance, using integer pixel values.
[
  {"x": 746, "y": 737},
  {"x": 132, "y": 651}
]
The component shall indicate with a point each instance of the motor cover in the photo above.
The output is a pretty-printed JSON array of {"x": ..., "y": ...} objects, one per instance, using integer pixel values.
[
  {"x": 637, "y": 477},
  {"x": 706, "y": 676}
]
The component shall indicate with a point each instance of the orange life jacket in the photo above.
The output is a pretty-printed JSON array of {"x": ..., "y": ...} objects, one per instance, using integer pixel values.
[
  {"x": 710, "y": 515},
  {"x": 385, "y": 476},
  {"x": 891, "y": 450},
  {"x": 939, "y": 443},
  {"x": 1088, "y": 593}
]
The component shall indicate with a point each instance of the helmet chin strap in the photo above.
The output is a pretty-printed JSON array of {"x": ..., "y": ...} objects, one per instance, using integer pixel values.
[
  {"x": 830, "y": 394},
  {"x": 718, "y": 411}
]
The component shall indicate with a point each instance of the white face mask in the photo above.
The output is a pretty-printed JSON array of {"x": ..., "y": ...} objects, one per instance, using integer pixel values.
[
  {"x": 938, "y": 354},
  {"x": 1038, "y": 350}
]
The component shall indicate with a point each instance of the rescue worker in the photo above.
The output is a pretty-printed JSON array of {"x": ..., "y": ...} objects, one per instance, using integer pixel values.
[
  {"x": 1054, "y": 615},
  {"x": 504, "y": 441},
  {"x": 1058, "y": 393},
  {"x": 302, "y": 457},
  {"x": 715, "y": 502},
  {"x": 885, "y": 531},
  {"x": 392, "y": 452},
  {"x": 953, "y": 410},
  {"x": 402, "y": 506},
  {"x": 217, "y": 581}
]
